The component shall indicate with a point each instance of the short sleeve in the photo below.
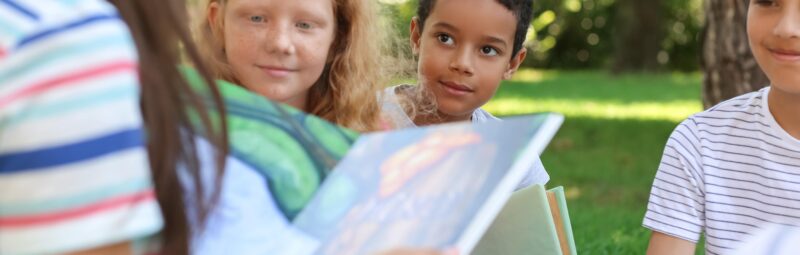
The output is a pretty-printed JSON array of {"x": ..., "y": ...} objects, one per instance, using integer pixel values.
[
  {"x": 677, "y": 201},
  {"x": 74, "y": 173},
  {"x": 246, "y": 218},
  {"x": 537, "y": 175}
]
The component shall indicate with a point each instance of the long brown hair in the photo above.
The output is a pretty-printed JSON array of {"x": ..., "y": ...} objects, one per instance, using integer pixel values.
[
  {"x": 162, "y": 38},
  {"x": 358, "y": 64}
]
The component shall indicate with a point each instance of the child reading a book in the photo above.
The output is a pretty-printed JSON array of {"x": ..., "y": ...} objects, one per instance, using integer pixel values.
[
  {"x": 461, "y": 62},
  {"x": 321, "y": 56},
  {"x": 81, "y": 71},
  {"x": 734, "y": 169}
]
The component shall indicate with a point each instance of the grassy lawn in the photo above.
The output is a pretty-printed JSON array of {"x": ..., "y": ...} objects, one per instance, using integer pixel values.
[{"x": 609, "y": 147}]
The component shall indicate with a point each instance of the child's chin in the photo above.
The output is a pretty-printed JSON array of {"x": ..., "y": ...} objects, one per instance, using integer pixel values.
[
  {"x": 455, "y": 111},
  {"x": 791, "y": 87}
]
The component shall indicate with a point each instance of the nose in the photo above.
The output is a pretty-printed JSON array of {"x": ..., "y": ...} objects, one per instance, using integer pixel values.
[
  {"x": 461, "y": 62},
  {"x": 279, "y": 39},
  {"x": 789, "y": 24}
]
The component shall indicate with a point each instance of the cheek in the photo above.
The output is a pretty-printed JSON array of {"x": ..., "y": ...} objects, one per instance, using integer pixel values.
[
  {"x": 431, "y": 65},
  {"x": 491, "y": 72},
  {"x": 490, "y": 86},
  {"x": 759, "y": 29},
  {"x": 316, "y": 48},
  {"x": 239, "y": 46},
  {"x": 753, "y": 36}
]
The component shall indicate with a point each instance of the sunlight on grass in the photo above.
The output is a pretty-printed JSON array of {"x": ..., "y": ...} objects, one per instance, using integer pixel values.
[
  {"x": 608, "y": 149},
  {"x": 530, "y": 75},
  {"x": 592, "y": 94},
  {"x": 672, "y": 111}
]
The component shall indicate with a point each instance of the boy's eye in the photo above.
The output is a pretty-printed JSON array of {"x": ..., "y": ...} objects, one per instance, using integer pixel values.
[
  {"x": 489, "y": 51},
  {"x": 766, "y": 3},
  {"x": 257, "y": 19},
  {"x": 303, "y": 25},
  {"x": 446, "y": 39}
]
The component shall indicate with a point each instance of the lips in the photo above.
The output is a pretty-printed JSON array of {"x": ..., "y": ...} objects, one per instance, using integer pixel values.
[
  {"x": 456, "y": 88},
  {"x": 785, "y": 54},
  {"x": 276, "y": 71}
]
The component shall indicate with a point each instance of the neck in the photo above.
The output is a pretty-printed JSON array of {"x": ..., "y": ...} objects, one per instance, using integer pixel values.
[
  {"x": 414, "y": 96},
  {"x": 439, "y": 118},
  {"x": 298, "y": 102},
  {"x": 784, "y": 107}
]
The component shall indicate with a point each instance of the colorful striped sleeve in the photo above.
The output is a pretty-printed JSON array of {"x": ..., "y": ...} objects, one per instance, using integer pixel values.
[{"x": 73, "y": 166}]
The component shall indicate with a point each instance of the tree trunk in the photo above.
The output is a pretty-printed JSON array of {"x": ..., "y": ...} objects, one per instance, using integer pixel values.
[
  {"x": 728, "y": 65},
  {"x": 640, "y": 37}
]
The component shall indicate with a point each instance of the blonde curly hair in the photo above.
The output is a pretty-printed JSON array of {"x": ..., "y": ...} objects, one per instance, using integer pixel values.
[{"x": 346, "y": 92}]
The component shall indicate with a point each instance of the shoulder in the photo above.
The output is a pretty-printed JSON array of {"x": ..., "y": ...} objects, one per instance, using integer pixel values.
[
  {"x": 747, "y": 106},
  {"x": 35, "y": 22},
  {"x": 246, "y": 201},
  {"x": 95, "y": 107},
  {"x": 390, "y": 94},
  {"x": 42, "y": 85},
  {"x": 392, "y": 111},
  {"x": 482, "y": 116},
  {"x": 744, "y": 115}
]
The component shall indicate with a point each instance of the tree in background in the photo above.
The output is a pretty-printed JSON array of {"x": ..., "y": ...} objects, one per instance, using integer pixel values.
[
  {"x": 638, "y": 41},
  {"x": 620, "y": 35},
  {"x": 728, "y": 65}
]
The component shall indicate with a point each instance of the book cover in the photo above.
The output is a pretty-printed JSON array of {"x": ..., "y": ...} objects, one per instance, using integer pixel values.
[
  {"x": 432, "y": 187},
  {"x": 561, "y": 200},
  {"x": 534, "y": 220}
]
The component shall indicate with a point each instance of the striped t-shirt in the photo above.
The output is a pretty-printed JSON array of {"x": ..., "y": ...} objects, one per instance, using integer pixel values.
[
  {"x": 727, "y": 172},
  {"x": 73, "y": 167}
]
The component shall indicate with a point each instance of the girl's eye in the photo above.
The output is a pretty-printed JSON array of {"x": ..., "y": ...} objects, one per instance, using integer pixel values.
[
  {"x": 489, "y": 51},
  {"x": 303, "y": 25},
  {"x": 446, "y": 39},
  {"x": 257, "y": 19}
]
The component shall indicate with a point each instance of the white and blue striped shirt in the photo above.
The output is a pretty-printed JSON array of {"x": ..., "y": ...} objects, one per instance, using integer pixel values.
[{"x": 727, "y": 172}]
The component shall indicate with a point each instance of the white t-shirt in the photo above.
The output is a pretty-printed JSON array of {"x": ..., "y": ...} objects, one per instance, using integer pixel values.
[
  {"x": 727, "y": 172},
  {"x": 773, "y": 240},
  {"x": 393, "y": 111},
  {"x": 246, "y": 218}
]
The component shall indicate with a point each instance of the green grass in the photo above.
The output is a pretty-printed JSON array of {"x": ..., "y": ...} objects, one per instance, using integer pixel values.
[{"x": 609, "y": 146}]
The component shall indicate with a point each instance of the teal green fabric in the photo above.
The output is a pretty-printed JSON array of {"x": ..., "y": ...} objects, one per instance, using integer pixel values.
[{"x": 294, "y": 151}]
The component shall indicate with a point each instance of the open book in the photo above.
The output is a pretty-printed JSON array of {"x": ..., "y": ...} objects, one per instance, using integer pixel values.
[
  {"x": 533, "y": 219},
  {"x": 432, "y": 187}
]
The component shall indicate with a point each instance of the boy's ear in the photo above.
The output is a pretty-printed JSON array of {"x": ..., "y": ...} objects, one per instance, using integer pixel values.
[
  {"x": 515, "y": 62},
  {"x": 415, "y": 31}
]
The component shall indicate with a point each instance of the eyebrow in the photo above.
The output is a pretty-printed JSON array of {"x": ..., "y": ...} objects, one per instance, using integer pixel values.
[
  {"x": 445, "y": 25},
  {"x": 489, "y": 38},
  {"x": 493, "y": 39}
]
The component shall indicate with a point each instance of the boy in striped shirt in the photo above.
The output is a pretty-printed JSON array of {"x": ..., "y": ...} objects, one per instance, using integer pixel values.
[{"x": 735, "y": 168}]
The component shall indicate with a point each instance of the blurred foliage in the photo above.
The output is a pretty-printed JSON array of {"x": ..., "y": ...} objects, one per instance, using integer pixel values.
[{"x": 581, "y": 34}]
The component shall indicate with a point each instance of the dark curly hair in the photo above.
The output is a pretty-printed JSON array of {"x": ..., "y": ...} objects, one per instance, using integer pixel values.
[{"x": 522, "y": 9}]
